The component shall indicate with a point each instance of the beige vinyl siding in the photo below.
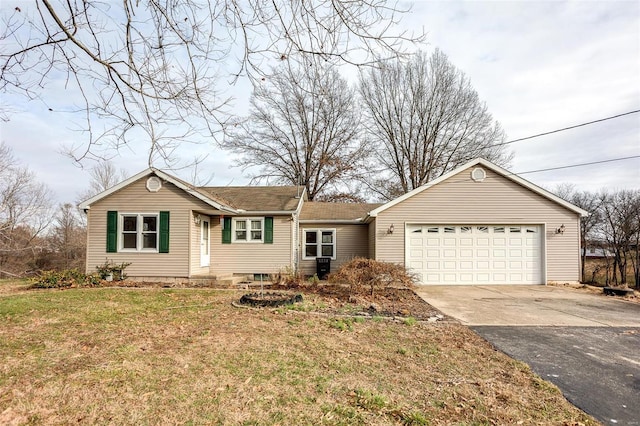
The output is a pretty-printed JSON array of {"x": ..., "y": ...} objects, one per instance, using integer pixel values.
[
  {"x": 496, "y": 200},
  {"x": 351, "y": 241},
  {"x": 371, "y": 236},
  {"x": 249, "y": 258},
  {"x": 136, "y": 199}
]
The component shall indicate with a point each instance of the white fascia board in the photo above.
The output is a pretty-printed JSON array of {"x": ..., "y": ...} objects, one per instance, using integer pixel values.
[
  {"x": 533, "y": 187},
  {"x": 193, "y": 192},
  {"x": 266, "y": 212},
  {"x": 87, "y": 204},
  {"x": 301, "y": 201},
  {"x": 333, "y": 221},
  {"x": 497, "y": 169}
]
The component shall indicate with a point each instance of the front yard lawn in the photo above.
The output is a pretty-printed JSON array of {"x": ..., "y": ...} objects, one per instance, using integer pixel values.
[{"x": 168, "y": 356}]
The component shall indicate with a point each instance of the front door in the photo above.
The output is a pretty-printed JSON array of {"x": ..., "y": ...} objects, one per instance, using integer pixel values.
[{"x": 204, "y": 242}]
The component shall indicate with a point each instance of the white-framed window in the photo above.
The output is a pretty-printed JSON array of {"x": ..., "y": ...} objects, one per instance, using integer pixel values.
[
  {"x": 319, "y": 243},
  {"x": 139, "y": 232},
  {"x": 248, "y": 230}
]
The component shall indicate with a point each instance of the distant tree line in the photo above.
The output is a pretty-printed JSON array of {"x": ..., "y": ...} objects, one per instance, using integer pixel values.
[
  {"x": 36, "y": 235},
  {"x": 613, "y": 227}
]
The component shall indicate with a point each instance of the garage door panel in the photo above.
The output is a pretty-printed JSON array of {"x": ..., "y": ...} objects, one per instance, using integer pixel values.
[
  {"x": 466, "y": 264},
  {"x": 449, "y": 242},
  {"x": 482, "y": 242},
  {"x": 478, "y": 254},
  {"x": 482, "y": 253}
]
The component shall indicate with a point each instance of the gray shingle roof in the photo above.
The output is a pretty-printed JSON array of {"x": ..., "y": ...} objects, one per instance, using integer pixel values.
[
  {"x": 257, "y": 198},
  {"x": 312, "y": 210}
]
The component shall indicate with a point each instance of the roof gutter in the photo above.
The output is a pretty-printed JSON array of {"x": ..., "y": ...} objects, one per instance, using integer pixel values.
[{"x": 333, "y": 221}]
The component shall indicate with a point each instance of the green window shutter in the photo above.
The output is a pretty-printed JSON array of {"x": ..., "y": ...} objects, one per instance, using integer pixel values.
[
  {"x": 226, "y": 230},
  {"x": 112, "y": 231},
  {"x": 268, "y": 230},
  {"x": 164, "y": 232}
]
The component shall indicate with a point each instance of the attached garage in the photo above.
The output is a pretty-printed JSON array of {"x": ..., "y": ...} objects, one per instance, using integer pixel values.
[
  {"x": 479, "y": 224},
  {"x": 475, "y": 254}
]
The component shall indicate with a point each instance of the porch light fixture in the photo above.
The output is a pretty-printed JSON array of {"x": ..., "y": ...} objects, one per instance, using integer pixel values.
[
  {"x": 390, "y": 230},
  {"x": 196, "y": 219},
  {"x": 560, "y": 230}
]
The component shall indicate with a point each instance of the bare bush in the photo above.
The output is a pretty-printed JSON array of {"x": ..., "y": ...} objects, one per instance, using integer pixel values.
[{"x": 367, "y": 275}]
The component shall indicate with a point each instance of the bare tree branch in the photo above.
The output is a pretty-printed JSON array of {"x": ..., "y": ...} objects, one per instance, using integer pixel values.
[
  {"x": 303, "y": 130},
  {"x": 158, "y": 70},
  {"x": 425, "y": 119}
]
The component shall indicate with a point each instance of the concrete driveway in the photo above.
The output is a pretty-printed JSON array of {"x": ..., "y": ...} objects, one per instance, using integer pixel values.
[{"x": 587, "y": 345}]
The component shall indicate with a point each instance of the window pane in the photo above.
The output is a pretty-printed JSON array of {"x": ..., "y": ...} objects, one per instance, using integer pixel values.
[
  {"x": 241, "y": 235},
  {"x": 129, "y": 223},
  {"x": 433, "y": 230},
  {"x": 449, "y": 229},
  {"x": 498, "y": 229},
  {"x": 465, "y": 229},
  {"x": 327, "y": 237},
  {"x": 514, "y": 229},
  {"x": 483, "y": 229},
  {"x": 149, "y": 223},
  {"x": 149, "y": 240},
  {"x": 256, "y": 225},
  {"x": 129, "y": 241},
  {"x": 311, "y": 251},
  {"x": 241, "y": 225},
  {"x": 256, "y": 235},
  {"x": 311, "y": 237},
  {"x": 327, "y": 251}
]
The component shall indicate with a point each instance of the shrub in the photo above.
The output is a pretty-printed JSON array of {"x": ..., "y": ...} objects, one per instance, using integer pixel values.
[
  {"x": 288, "y": 277},
  {"x": 115, "y": 270},
  {"x": 363, "y": 274},
  {"x": 64, "y": 279}
]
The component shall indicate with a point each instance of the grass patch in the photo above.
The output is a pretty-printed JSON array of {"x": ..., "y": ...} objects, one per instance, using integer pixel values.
[
  {"x": 409, "y": 321},
  {"x": 149, "y": 356}
]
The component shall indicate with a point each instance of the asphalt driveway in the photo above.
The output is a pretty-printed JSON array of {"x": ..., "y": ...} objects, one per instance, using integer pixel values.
[{"x": 587, "y": 345}]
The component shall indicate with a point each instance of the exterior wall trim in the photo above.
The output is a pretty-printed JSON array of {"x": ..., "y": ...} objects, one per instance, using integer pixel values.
[
  {"x": 336, "y": 221},
  {"x": 499, "y": 170},
  {"x": 87, "y": 203}
]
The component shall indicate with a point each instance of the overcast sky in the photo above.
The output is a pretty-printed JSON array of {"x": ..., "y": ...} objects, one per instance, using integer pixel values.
[{"x": 539, "y": 66}]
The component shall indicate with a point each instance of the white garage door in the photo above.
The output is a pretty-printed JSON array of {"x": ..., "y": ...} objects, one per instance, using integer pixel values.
[{"x": 475, "y": 254}]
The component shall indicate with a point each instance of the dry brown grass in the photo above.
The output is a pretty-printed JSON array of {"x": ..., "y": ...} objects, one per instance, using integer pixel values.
[
  {"x": 599, "y": 278},
  {"x": 159, "y": 356}
]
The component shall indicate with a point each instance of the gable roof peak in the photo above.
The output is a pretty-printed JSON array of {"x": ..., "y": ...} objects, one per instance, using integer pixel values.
[{"x": 493, "y": 167}]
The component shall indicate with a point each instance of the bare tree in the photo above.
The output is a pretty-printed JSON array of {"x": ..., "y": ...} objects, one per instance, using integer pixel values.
[
  {"x": 425, "y": 119},
  {"x": 68, "y": 239},
  {"x": 104, "y": 175},
  {"x": 303, "y": 130},
  {"x": 24, "y": 214},
  {"x": 620, "y": 227},
  {"x": 590, "y": 202},
  {"x": 157, "y": 70}
]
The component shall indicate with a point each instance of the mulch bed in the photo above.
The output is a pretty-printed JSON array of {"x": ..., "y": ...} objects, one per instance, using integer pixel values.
[{"x": 387, "y": 302}]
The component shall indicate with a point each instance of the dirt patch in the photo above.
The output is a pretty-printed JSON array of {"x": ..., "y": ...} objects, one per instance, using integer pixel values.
[{"x": 386, "y": 302}]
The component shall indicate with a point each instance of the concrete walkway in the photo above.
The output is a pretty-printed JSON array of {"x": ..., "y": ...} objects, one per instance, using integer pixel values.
[
  {"x": 586, "y": 344},
  {"x": 521, "y": 305}
]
